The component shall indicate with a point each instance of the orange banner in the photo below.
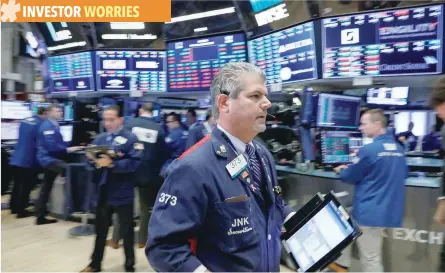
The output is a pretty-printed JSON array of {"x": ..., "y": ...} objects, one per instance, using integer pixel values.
[{"x": 86, "y": 10}]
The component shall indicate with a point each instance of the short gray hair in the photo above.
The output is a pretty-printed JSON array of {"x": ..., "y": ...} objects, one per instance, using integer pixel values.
[{"x": 230, "y": 81}]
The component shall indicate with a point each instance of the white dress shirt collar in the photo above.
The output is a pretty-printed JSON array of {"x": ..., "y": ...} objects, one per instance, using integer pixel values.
[{"x": 239, "y": 145}]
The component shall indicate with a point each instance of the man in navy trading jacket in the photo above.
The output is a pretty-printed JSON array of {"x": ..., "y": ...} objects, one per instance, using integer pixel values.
[
  {"x": 378, "y": 171},
  {"x": 26, "y": 166},
  {"x": 176, "y": 139},
  {"x": 219, "y": 208},
  {"x": 114, "y": 178},
  {"x": 199, "y": 131},
  {"x": 147, "y": 175},
  {"x": 51, "y": 153}
]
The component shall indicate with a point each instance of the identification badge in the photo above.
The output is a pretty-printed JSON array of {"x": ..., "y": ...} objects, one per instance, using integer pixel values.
[
  {"x": 120, "y": 140},
  {"x": 236, "y": 166}
]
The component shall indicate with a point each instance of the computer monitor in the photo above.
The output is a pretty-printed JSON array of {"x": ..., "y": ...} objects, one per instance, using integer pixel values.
[
  {"x": 338, "y": 111},
  {"x": 10, "y": 130},
  {"x": 388, "y": 96},
  {"x": 15, "y": 110},
  {"x": 337, "y": 146},
  {"x": 67, "y": 132}
]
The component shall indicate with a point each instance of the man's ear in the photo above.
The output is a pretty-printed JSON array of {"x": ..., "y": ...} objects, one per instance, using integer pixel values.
[{"x": 223, "y": 103}]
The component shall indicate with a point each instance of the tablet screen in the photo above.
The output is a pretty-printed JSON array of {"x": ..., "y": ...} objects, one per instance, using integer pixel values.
[{"x": 316, "y": 238}]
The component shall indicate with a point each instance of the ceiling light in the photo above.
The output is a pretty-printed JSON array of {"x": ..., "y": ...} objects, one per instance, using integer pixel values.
[
  {"x": 202, "y": 15},
  {"x": 129, "y": 37},
  {"x": 131, "y": 25},
  {"x": 68, "y": 45},
  {"x": 200, "y": 29}
]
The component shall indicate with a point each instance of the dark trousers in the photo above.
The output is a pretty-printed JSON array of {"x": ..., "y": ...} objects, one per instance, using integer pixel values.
[
  {"x": 104, "y": 211},
  {"x": 24, "y": 181},
  {"x": 147, "y": 199},
  {"x": 49, "y": 176}
]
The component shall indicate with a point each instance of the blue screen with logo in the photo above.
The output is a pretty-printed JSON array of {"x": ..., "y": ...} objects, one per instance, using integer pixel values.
[
  {"x": 71, "y": 72},
  {"x": 125, "y": 70},
  {"x": 192, "y": 64},
  {"x": 387, "y": 43},
  {"x": 287, "y": 55}
]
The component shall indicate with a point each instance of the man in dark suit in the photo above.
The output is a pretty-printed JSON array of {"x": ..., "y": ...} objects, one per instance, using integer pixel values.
[
  {"x": 218, "y": 209},
  {"x": 147, "y": 175}
]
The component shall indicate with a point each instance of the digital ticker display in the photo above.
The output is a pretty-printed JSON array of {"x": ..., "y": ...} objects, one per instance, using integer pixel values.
[
  {"x": 287, "y": 55},
  {"x": 192, "y": 64},
  {"x": 125, "y": 70},
  {"x": 71, "y": 72},
  {"x": 387, "y": 43}
]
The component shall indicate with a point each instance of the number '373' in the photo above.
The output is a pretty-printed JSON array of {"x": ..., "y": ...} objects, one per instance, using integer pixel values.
[{"x": 168, "y": 199}]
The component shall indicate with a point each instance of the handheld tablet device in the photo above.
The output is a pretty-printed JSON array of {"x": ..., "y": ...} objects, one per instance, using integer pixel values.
[{"x": 318, "y": 233}]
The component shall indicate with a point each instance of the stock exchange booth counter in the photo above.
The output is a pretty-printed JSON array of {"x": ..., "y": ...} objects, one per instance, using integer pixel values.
[{"x": 417, "y": 245}]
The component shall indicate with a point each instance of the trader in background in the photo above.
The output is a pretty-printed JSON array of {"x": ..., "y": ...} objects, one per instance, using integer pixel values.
[
  {"x": 216, "y": 211},
  {"x": 378, "y": 172},
  {"x": 51, "y": 153},
  {"x": 114, "y": 177},
  {"x": 200, "y": 131},
  {"x": 24, "y": 161},
  {"x": 191, "y": 119},
  {"x": 432, "y": 141},
  {"x": 437, "y": 102},
  {"x": 147, "y": 176},
  {"x": 176, "y": 139},
  {"x": 408, "y": 139}
]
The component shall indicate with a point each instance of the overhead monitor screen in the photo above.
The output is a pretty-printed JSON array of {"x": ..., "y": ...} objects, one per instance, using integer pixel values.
[
  {"x": 338, "y": 111},
  {"x": 388, "y": 95},
  {"x": 71, "y": 72},
  {"x": 192, "y": 64},
  {"x": 337, "y": 146},
  {"x": 287, "y": 55},
  {"x": 387, "y": 43},
  {"x": 125, "y": 70},
  {"x": 10, "y": 130},
  {"x": 16, "y": 110}
]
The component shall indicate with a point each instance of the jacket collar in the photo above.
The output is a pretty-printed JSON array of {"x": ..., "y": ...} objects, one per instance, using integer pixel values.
[{"x": 386, "y": 135}]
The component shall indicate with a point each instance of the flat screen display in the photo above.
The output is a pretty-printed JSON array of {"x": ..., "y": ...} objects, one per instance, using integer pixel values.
[
  {"x": 338, "y": 111},
  {"x": 10, "y": 130},
  {"x": 16, "y": 110},
  {"x": 387, "y": 43},
  {"x": 192, "y": 64},
  {"x": 125, "y": 70},
  {"x": 320, "y": 235},
  {"x": 388, "y": 95},
  {"x": 337, "y": 146},
  {"x": 71, "y": 72},
  {"x": 287, "y": 55}
]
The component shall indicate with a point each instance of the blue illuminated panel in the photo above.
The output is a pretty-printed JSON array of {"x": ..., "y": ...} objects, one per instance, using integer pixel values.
[
  {"x": 387, "y": 43},
  {"x": 338, "y": 111},
  {"x": 71, "y": 72},
  {"x": 287, "y": 55},
  {"x": 259, "y": 5},
  {"x": 131, "y": 70},
  {"x": 192, "y": 64}
]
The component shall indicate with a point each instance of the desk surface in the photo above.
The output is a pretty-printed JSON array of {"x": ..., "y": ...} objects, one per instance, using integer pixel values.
[
  {"x": 428, "y": 182},
  {"x": 424, "y": 162}
]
